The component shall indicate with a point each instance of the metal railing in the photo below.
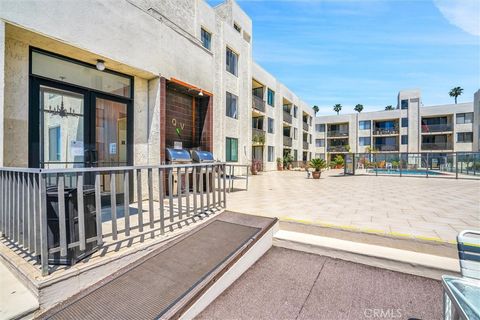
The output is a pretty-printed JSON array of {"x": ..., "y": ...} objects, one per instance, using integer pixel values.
[
  {"x": 258, "y": 135},
  {"x": 305, "y": 145},
  {"x": 437, "y": 146},
  {"x": 386, "y": 147},
  {"x": 287, "y": 117},
  {"x": 258, "y": 103},
  {"x": 287, "y": 141},
  {"x": 426, "y": 128},
  {"x": 343, "y": 148},
  {"x": 337, "y": 133},
  {"x": 305, "y": 126},
  {"x": 173, "y": 193},
  {"x": 379, "y": 131}
]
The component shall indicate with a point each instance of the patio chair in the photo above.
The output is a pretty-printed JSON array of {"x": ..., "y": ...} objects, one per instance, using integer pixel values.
[{"x": 468, "y": 242}]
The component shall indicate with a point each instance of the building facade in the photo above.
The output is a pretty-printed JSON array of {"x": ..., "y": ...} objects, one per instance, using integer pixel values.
[
  {"x": 147, "y": 75},
  {"x": 409, "y": 127}
]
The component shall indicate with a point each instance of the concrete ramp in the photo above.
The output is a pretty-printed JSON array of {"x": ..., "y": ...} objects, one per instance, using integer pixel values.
[{"x": 168, "y": 281}]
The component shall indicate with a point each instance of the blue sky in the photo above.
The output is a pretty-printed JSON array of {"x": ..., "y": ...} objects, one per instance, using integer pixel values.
[{"x": 349, "y": 52}]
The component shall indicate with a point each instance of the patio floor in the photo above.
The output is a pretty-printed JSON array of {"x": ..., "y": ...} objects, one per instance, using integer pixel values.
[
  {"x": 428, "y": 209},
  {"x": 286, "y": 284}
]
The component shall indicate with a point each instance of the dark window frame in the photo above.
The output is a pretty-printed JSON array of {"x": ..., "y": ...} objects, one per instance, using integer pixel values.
[
  {"x": 270, "y": 97},
  {"x": 206, "y": 41},
  {"x": 228, "y": 149},
  {"x": 270, "y": 125},
  {"x": 231, "y": 61},
  {"x": 464, "y": 135},
  {"x": 233, "y": 98},
  {"x": 404, "y": 122}
]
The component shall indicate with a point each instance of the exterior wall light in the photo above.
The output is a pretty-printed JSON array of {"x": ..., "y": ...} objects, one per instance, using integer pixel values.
[
  {"x": 100, "y": 65},
  {"x": 200, "y": 93}
]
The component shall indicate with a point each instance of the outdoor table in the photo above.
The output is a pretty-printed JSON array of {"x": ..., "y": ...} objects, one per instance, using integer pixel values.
[{"x": 461, "y": 298}]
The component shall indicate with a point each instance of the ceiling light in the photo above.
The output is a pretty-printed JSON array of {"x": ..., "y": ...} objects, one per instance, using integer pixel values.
[{"x": 100, "y": 65}]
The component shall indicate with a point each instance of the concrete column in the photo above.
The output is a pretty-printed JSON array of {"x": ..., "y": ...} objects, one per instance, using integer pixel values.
[
  {"x": 154, "y": 121},
  {"x": 2, "y": 86},
  {"x": 162, "y": 116}
]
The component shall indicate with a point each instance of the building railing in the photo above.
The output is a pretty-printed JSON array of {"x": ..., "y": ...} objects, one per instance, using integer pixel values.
[
  {"x": 305, "y": 145},
  {"x": 427, "y": 128},
  {"x": 305, "y": 126},
  {"x": 343, "y": 148},
  {"x": 337, "y": 133},
  {"x": 258, "y": 103},
  {"x": 380, "y": 131},
  {"x": 29, "y": 198},
  {"x": 386, "y": 147},
  {"x": 437, "y": 146},
  {"x": 287, "y": 141},
  {"x": 258, "y": 135},
  {"x": 287, "y": 117}
]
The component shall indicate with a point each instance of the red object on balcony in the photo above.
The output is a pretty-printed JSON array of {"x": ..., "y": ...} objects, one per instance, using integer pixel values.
[{"x": 425, "y": 128}]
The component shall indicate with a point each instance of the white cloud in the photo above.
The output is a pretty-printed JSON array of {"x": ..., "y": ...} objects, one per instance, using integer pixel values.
[{"x": 465, "y": 14}]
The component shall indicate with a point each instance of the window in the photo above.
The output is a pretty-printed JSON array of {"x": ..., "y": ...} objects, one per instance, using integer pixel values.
[
  {"x": 465, "y": 137},
  {"x": 309, "y": 138},
  {"x": 271, "y": 97},
  {"x": 206, "y": 38},
  {"x": 464, "y": 118},
  {"x": 320, "y": 127},
  {"x": 232, "y": 150},
  {"x": 271, "y": 154},
  {"x": 404, "y": 104},
  {"x": 295, "y": 111},
  {"x": 295, "y": 133},
  {"x": 237, "y": 27},
  {"x": 404, "y": 139},
  {"x": 270, "y": 125},
  {"x": 54, "y": 144},
  {"x": 232, "y": 106},
  {"x": 364, "y": 125},
  {"x": 232, "y": 62},
  {"x": 404, "y": 122},
  {"x": 295, "y": 155},
  {"x": 319, "y": 143},
  {"x": 364, "y": 141}
]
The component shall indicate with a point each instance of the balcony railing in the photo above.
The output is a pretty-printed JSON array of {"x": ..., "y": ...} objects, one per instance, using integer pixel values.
[
  {"x": 337, "y": 133},
  {"x": 426, "y": 128},
  {"x": 343, "y": 148},
  {"x": 258, "y": 103},
  {"x": 287, "y": 141},
  {"x": 258, "y": 136},
  {"x": 287, "y": 117},
  {"x": 36, "y": 205},
  {"x": 386, "y": 147},
  {"x": 380, "y": 131},
  {"x": 437, "y": 146},
  {"x": 305, "y": 145},
  {"x": 305, "y": 126}
]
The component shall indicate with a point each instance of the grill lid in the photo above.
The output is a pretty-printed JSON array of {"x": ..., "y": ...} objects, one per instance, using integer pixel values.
[
  {"x": 178, "y": 155},
  {"x": 202, "y": 156}
]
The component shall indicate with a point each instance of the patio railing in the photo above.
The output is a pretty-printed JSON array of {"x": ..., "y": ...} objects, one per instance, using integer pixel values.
[{"x": 165, "y": 195}]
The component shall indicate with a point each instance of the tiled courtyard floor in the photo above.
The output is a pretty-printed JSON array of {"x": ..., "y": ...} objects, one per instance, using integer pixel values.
[{"x": 432, "y": 208}]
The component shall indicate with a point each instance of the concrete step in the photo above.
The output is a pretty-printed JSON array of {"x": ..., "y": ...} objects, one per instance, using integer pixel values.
[{"x": 406, "y": 261}]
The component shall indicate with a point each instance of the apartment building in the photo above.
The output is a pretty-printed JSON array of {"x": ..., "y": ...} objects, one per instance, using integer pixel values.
[
  {"x": 410, "y": 127},
  {"x": 145, "y": 76}
]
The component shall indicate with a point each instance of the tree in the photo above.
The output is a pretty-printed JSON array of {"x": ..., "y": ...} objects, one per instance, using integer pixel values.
[
  {"x": 315, "y": 109},
  {"x": 358, "y": 108},
  {"x": 389, "y": 107},
  {"x": 455, "y": 92},
  {"x": 337, "y": 108}
]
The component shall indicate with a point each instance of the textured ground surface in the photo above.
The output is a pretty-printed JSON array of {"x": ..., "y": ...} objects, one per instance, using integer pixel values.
[
  {"x": 286, "y": 284},
  {"x": 433, "y": 208}
]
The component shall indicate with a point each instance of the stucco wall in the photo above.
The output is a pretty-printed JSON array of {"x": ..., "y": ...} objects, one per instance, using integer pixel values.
[{"x": 2, "y": 86}]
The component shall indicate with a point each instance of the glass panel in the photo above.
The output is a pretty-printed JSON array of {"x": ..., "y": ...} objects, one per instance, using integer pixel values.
[
  {"x": 61, "y": 70},
  {"x": 62, "y": 120}
]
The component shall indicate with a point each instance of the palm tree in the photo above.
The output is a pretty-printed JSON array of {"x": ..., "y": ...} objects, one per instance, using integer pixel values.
[
  {"x": 358, "y": 108},
  {"x": 455, "y": 92},
  {"x": 337, "y": 108},
  {"x": 315, "y": 109},
  {"x": 389, "y": 107}
]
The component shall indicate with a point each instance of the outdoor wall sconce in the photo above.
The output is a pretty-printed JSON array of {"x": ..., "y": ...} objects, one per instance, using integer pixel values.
[
  {"x": 100, "y": 65},
  {"x": 200, "y": 93}
]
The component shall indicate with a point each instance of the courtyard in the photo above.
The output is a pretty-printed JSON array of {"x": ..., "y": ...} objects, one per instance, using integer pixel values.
[{"x": 432, "y": 209}]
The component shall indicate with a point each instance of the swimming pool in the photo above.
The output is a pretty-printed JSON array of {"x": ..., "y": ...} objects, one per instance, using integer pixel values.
[{"x": 406, "y": 172}]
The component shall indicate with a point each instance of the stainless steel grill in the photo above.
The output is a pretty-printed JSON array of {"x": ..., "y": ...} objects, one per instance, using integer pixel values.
[
  {"x": 202, "y": 156},
  {"x": 174, "y": 156},
  {"x": 181, "y": 183}
]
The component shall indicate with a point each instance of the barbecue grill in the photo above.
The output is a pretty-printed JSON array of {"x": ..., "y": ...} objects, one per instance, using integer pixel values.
[
  {"x": 178, "y": 156},
  {"x": 202, "y": 156}
]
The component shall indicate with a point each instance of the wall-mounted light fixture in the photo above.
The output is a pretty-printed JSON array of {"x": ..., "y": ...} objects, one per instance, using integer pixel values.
[
  {"x": 200, "y": 93},
  {"x": 100, "y": 65}
]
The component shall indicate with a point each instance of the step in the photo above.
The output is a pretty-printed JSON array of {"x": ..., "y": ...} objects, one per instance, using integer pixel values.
[{"x": 406, "y": 261}]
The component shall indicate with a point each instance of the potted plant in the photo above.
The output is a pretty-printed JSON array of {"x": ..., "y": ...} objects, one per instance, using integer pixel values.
[
  {"x": 318, "y": 165},
  {"x": 287, "y": 161},
  {"x": 279, "y": 164},
  {"x": 338, "y": 162},
  {"x": 255, "y": 166}
]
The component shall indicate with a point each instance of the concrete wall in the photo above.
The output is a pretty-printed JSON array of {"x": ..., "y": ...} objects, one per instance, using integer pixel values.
[{"x": 2, "y": 86}]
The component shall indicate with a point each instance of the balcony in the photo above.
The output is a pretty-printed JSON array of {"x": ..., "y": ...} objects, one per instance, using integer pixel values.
[
  {"x": 337, "y": 133},
  {"x": 429, "y": 128},
  {"x": 287, "y": 117},
  {"x": 305, "y": 126},
  {"x": 386, "y": 147},
  {"x": 381, "y": 131},
  {"x": 437, "y": 146},
  {"x": 258, "y": 136},
  {"x": 258, "y": 103},
  {"x": 287, "y": 141},
  {"x": 342, "y": 148},
  {"x": 305, "y": 145}
]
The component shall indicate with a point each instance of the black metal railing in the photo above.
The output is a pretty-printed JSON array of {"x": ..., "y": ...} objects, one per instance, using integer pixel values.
[
  {"x": 305, "y": 126},
  {"x": 386, "y": 147},
  {"x": 258, "y": 136},
  {"x": 258, "y": 103},
  {"x": 437, "y": 146},
  {"x": 337, "y": 133},
  {"x": 305, "y": 145},
  {"x": 287, "y": 117},
  {"x": 427, "y": 128},
  {"x": 343, "y": 148},
  {"x": 380, "y": 131},
  {"x": 287, "y": 141}
]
